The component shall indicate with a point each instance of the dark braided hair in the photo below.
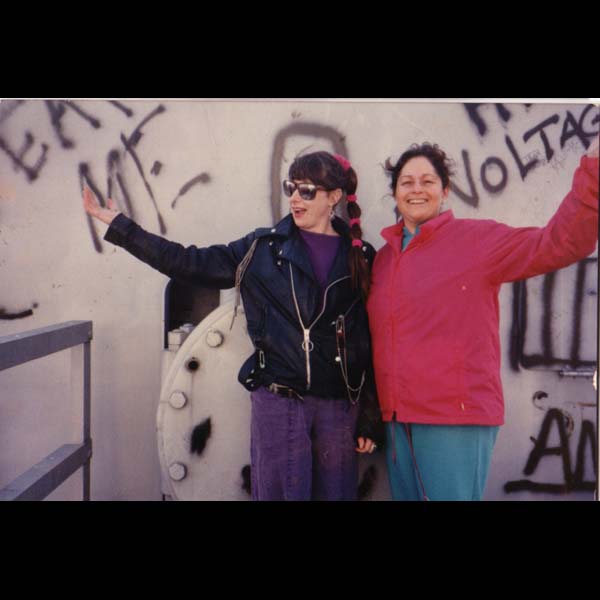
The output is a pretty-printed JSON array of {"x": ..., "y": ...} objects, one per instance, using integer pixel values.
[{"x": 332, "y": 172}]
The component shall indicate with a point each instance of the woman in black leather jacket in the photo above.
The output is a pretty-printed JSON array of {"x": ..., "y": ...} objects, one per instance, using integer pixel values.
[{"x": 303, "y": 284}]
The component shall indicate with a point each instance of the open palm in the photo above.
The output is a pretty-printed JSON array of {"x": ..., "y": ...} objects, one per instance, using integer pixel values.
[{"x": 93, "y": 208}]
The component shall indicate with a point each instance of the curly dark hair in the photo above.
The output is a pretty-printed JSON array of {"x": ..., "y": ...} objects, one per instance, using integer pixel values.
[{"x": 436, "y": 156}]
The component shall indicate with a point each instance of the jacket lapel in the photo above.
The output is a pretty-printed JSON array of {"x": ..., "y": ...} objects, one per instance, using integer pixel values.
[{"x": 293, "y": 250}]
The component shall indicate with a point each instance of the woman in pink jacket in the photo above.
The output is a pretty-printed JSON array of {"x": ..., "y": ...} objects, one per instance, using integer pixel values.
[{"x": 434, "y": 320}]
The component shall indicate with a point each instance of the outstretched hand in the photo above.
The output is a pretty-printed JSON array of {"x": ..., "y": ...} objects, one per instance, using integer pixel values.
[
  {"x": 93, "y": 208},
  {"x": 592, "y": 151}
]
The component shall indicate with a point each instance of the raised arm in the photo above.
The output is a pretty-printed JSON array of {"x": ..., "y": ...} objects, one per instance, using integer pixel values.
[
  {"x": 512, "y": 253},
  {"x": 213, "y": 266}
]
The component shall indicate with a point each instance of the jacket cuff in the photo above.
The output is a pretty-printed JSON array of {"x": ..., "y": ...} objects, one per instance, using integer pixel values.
[{"x": 118, "y": 229}]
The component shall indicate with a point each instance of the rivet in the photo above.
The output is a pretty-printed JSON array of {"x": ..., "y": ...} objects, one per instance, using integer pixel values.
[
  {"x": 214, "y": 338},
  {"x": 178, "y": 400},
  {"x": 273, "y": 230},
  {"x": 177, "y": 471}
]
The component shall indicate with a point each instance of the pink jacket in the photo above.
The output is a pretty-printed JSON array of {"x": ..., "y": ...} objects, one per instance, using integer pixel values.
[{"x": 433, "y": 309}]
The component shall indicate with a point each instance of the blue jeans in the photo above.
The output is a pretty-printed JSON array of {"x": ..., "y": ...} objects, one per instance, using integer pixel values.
[
  {"x": 453, "y": 460},
  {"x": 303, "y": 449}
]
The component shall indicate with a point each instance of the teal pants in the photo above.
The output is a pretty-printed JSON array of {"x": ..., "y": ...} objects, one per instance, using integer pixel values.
[{"x": 453, "y": 460}]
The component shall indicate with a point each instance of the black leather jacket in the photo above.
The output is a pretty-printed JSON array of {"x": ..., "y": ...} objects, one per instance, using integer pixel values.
[{"x": 278, "y": 289}]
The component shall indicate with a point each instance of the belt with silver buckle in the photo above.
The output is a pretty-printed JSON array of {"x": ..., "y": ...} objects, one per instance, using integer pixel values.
[{"x": 284, "y": 390}]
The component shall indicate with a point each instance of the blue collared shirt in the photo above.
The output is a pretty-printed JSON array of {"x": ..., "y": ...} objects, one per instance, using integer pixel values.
[{"x": 407, "y": 236}]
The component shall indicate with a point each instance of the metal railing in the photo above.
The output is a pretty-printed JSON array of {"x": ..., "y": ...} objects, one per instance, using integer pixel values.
[{"x": 44, "y": 477}]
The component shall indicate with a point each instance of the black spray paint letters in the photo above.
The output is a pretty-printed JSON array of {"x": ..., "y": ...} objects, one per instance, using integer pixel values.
[
  {"x": 202, "y": 178},
  {"x": 115, "y": 177},
  {"x": 130, "y": 143},
  {"x": 18, "y": 156},
  {"x": 114, "y": 170},
  {"x": 121, "y": 107},
  {"x": 7, "y": 107},
  {"x": 57, "y": 111},
  {"x": 573, "y": 480},
  {"x": 21, "y": 314},
  {"x": 86, "y": 178},
  {"x": 494, "y": 171},
  {"x": 477, "y": 120},
  {"x": 113, "y": 174},
  {"x": 585, "y": 284}
]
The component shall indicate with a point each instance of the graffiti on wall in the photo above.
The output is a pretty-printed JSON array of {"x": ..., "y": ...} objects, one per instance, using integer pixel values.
[
  {"x": 573, "y": 478},
  {"x": 20, "y": 314},
  {"x": 58, "y": 110},
  {"x": 30, "y": 157},
  {"x": 553, "y": 132},
  {"x": 527, "y": 149},
  {"x": 556, "y": 131},
  {"x": 585, "y": 285}
]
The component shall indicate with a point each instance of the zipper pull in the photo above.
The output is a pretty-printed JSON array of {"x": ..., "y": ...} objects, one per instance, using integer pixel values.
[{"x": 307, "y": 344}]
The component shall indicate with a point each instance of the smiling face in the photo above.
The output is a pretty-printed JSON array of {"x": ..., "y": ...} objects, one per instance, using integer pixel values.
[
  {"x": 419, "y": 193},
  {"x": 314, "y": 215}
]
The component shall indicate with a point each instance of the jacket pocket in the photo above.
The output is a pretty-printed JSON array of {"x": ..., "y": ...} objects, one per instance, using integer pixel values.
[
  {"x": 257, "y": 325},
  {"x": 249, "y": 375}
]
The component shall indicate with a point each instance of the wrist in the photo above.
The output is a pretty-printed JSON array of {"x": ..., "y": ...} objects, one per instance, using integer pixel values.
[{"x": 109, "y": 216}]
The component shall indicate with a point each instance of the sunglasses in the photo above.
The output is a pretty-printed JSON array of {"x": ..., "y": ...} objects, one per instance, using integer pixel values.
[{"x": 307, "y": 191}]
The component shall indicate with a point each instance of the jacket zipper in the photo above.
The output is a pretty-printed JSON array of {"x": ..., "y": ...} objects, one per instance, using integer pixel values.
[{"x": 307, "y": 344}]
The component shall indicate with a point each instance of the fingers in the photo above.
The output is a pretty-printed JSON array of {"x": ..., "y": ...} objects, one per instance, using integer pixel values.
[
  {"x": 93, "y": 208},
  {"x": 592, "y": 151},
  {"x": 89, "y": 201},
  {"x": 365, "y": 445}
]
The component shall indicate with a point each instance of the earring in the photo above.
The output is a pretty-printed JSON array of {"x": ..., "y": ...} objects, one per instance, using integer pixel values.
[{"x": 331, "y": 213}]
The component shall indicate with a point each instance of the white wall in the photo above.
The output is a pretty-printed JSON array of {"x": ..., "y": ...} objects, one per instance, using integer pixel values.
[{"x": 50, "y": 264}]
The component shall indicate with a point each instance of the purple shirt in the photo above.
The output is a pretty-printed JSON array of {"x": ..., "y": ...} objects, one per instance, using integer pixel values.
[{"x": 322, "y": 249}]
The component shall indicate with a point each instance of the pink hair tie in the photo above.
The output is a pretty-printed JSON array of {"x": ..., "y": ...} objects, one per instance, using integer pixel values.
[
  {"x": 354, "y": 222},
  {"x": 343, "y": 161},
  {"x": 357, "y": 243},
  {"x": 351, "y": 198}
]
